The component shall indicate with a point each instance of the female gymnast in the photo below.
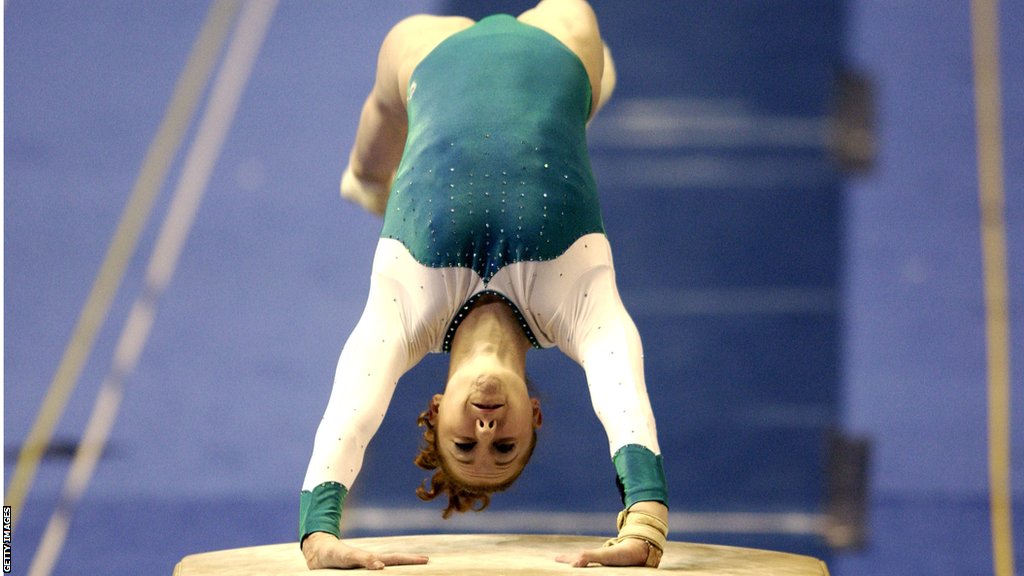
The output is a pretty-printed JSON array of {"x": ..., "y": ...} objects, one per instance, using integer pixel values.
[{"x": 472, "y": 146}]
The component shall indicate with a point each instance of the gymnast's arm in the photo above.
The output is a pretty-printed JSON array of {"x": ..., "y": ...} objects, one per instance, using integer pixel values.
[
  {"x": 376, "y": 354},
  {"x": 609, "y": 78},
  {"x": 608, "y": 347},
  {"x": 383, "y": 125}
]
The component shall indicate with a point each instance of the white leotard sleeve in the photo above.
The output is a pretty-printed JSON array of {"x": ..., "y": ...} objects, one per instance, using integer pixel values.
[
  {"x": 612, "y": 356},
  {"x": 375, "y": 355},
  {"x": 608, "y": 347}
]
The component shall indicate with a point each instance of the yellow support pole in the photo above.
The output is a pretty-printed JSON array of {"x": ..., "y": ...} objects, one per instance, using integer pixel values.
[
  {"x": 157, "y": 162},
  {"x": 988, "y": 118}
]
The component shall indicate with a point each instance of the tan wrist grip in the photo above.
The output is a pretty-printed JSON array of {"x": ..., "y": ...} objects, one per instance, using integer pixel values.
[{"x": 646, "y": 527}]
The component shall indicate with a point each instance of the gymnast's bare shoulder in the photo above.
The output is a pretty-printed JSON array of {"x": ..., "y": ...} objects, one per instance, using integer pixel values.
[
  {"x": 574, "y": 23},
  {"x": 409, "y": 42}
]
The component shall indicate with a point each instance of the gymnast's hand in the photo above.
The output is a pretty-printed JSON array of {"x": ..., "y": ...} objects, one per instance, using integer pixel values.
[
  {"x": 372, "y": 195},
  {"x": 629, "y": 549},
  {"x": 631, "y": 552},
  {"x": 323, "y": 550}
]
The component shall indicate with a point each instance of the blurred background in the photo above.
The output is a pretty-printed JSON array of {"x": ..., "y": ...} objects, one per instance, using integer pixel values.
[{"x": 791, "y": 188}]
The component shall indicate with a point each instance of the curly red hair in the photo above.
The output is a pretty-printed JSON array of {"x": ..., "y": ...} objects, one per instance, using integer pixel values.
[{"x": 462, "y": 497}]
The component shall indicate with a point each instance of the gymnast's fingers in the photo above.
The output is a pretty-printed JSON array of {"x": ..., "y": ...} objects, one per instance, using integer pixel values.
[
  {"x": 356, "y": 558},
  {"x": 397, "y": 559},
  {"x": 631, "y": 552},
  {"x": 578, "y": 560},
  {"x": 345, "y": 556}
]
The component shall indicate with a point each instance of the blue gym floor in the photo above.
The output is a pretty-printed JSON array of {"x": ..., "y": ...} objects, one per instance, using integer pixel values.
[{"x": 778, "y": 297}]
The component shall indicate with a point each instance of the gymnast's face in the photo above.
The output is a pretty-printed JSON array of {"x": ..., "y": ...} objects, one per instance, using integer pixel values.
[{"x": 485, "y": 422}]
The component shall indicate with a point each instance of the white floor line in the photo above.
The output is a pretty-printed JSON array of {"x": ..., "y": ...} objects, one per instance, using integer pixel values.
[{"x": 413, "y": 520}]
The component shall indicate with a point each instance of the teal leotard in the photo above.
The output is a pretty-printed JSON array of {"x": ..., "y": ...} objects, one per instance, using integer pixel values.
[{"x": 495, "y": 168}]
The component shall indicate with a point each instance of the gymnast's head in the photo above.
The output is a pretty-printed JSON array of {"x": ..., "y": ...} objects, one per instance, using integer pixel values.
[{"x": 478, "y": 436}]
